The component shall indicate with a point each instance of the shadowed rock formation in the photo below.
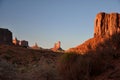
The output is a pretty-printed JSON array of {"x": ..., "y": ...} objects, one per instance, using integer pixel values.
[{"x": 5, "y": 36}]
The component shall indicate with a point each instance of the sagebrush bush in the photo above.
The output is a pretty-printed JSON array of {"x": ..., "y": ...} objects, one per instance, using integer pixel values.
[
  {"x": 7, "y": 71},
  {"x": 73, "y": 67},
  {"x": 97, "y": 65},
  {"x": 82, "y": 67}
]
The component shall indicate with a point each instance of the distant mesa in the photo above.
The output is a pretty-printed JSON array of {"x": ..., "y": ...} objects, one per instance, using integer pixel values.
[
  {"x": 22, "y": 43},
  {"x": 35, "y": 46},
  {"x": 105, "y": 26},
  {"x": 57, "y": 47},
  {"x": 5, "y": 36}
]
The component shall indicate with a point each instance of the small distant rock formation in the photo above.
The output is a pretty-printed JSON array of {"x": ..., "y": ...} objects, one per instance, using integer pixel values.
[
  {"x": 57, "y": 47},
  {"x": 16, "y": 41},
  {"x": 105, "y": 26},
  {"x": 5, "y": 36},
  {"x": 22, "y": 43},
  {"x": 36, "y": 47}
]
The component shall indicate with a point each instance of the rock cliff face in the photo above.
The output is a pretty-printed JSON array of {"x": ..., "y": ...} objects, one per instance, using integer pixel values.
[
  {"x": 5, "y": 36},
  {"x": 106, "y": 27},
  {"x": 106, "y": 24}
]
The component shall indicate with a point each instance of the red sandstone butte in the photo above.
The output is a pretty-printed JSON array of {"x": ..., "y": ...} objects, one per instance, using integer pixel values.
[{"x": 105, "y": 26}]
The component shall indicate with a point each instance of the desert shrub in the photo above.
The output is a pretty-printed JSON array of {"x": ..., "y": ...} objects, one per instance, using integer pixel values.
[
  {"x": 7, "y": 57},
  {"x": 97, "y": 65},
  {"x": 17, "y": 61},
  {"x": 74, "y": 67},
  {"x": 100, "y": 61},
  {"x": 68, "y": 56},
  {"x": 9, "y": 51},
  {"x": 82, "y": 67},
  {"x": 115, "y": 40},
  {"x": 44, "y": 72},
  {"x": 7, "y": 71},
  {"x": 115, "y": 44}
]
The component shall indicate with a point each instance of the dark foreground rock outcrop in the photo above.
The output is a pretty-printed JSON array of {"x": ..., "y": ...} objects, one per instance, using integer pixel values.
[{"x": 5, "y": 36}]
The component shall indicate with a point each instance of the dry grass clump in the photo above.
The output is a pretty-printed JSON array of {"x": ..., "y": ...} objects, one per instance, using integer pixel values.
[
  {"x": 71, "y": 68},
  {"x": 7, "y": 71},
  {"x": 74, "y": 66},
  {"x": 96, "y": 59}
]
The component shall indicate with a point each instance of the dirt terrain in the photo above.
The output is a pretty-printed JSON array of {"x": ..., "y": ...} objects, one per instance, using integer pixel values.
[{"x": 17, "y": 63}]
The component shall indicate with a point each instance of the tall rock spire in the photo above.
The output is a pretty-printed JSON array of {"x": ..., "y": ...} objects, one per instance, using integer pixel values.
[{"x": 57, "y": 46}]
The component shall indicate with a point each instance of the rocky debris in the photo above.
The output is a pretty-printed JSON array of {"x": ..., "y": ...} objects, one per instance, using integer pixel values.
[
  {"x": 5, "y": 36},
  {"x": 7, "y": 71},
  {"x": 106, "y": 24},
  {"x": 57, "y": 47}
]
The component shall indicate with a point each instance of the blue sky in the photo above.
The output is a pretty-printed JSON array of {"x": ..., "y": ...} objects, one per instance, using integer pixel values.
[{"x": 49, "y": 21}]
